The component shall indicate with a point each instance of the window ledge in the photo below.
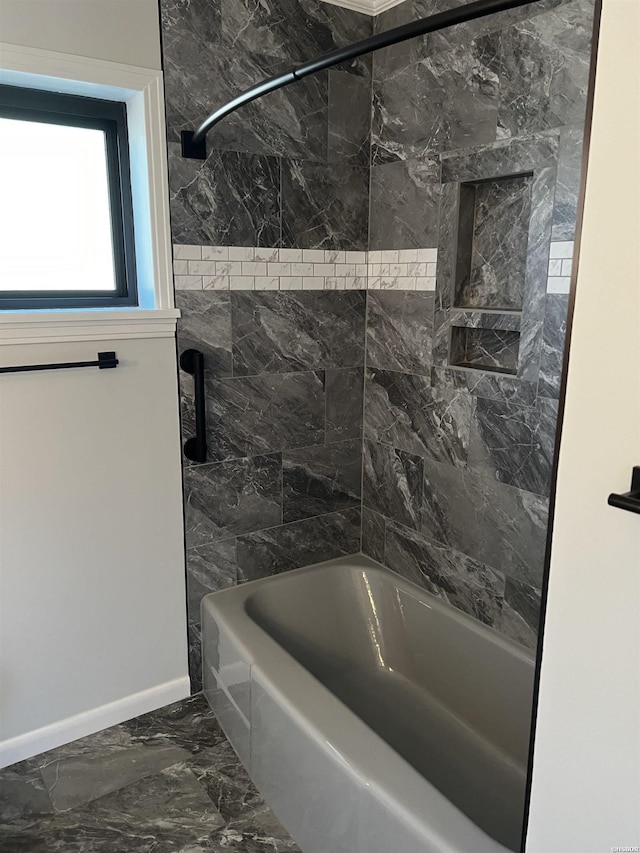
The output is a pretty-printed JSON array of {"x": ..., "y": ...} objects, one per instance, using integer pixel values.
[{"x": 28, "y": 327}]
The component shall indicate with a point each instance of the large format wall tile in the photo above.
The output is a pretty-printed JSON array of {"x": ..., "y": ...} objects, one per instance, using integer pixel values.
[
  {"x": 405, "y": 53},
  {"x": 505, "y": 157},
  {"x": 458, "y": 579},
  {"x": 540, "y": 224},
  {"x": 228, "y": 199},
  {"x": 194, "y": 652},
  {"x": 516, "y": 531},
  {"x": 279, "y": 332},
  {"x": 290, "y": 122},
  {"x": 405, "y": 204},
  {"x": 454, "y": 93},
  {"x": 301, "y": 543},
  {"x": 524, "y": 600},
  {"x": 200, "y": 19},
  {"x": 479, "y": 383},
  {"x": 393, "y": 483},
  {"x": 515, "y": 445},
  {"x": 453, "y": 511},
  {"x": 250, "y": 415},
  {"x": 500, "y": 526},
  {"x": 553, "y": 338},
  {"x": 234, "y": 497},
  {"x": 344, "y": 391},
  {"x": 210, "y": 568},
  {"x": 399, "y": 326},
  {"x": 462, "y": 34},
  {"x": 349, "y": 118},
  {"x": 404, "y": 411},
  {"x": 205, "y": 324},
  {"x": 520, "y": 616},
  {"x": 318, "y": 480},
  {"x": 324, "y": 206},
  {"x": 565, "y": 204},
  {"x": 294, "y": 30},
  {"x": 544, "y": 70},
  {"x": 513, "y": 626},
  {"x": 403, "y": 13},
  {"x": 373, "y": 534}
]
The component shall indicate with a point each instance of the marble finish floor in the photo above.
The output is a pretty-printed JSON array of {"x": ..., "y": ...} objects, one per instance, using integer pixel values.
[{"x": 167, "y": 782}]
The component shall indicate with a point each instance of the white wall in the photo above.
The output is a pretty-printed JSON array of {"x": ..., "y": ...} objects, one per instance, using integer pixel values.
[
  {"x": 92, "y": 588},
  {"x": 586, "y": 780},
  {"x": 91, "y": 555},
  {"x": 125, "y": 31}
]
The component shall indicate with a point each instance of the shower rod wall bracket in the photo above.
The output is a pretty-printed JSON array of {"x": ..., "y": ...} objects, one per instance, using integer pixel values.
[
  {"x": 194, "y": 142},
  {"x": 193, "y": 150}
]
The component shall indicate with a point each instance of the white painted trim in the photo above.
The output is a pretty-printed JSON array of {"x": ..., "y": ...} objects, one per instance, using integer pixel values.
[
  {"x": 57, "y": 327},
  {"x": 367, "y": 7},
  {"x": 77, "y": 75},
  {"x": 87, "y": 723},
  {"x": 142, "y": 90}
]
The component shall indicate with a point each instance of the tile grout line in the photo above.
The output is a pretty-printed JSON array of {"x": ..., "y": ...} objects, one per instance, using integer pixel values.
[{"x": 364, "y": 386}]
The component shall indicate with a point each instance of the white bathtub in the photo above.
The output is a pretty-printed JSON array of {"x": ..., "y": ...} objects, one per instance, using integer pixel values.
[{"x": 373, "y": 717}]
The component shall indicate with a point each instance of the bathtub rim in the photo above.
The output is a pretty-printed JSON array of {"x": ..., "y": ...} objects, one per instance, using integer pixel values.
[{"x": 361, "y": 561}]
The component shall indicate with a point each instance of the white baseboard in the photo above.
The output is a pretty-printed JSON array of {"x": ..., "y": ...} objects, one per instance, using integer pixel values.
[{"x": 88, "y": 722}]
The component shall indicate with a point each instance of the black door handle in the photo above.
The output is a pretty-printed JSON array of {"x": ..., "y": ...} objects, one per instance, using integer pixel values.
[
  {"x": 629, "y": 500},
  {"x": 195, "y": 448}
]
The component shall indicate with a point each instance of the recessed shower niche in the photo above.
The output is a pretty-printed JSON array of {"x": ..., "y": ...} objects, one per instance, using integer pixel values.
[
  {"x": 490, "y": 270},
  {"x": 495, "y": 350}
]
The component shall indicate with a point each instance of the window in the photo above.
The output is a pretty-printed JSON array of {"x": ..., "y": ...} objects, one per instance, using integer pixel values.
[{"x": 66, "y": 221}]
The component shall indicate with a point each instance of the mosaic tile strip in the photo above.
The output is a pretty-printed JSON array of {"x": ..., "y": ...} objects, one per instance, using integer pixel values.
[
  {"x": 560, "y": 266},
  {"x": 198, "y": 267}
]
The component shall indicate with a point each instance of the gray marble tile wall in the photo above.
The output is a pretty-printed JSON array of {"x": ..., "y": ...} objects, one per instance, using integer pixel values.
[
  {"x": 503, "y": 77},
  {"x": 281, "y": 486},
  {"x": 289, "y": 170},
  {"x": 336, "y": 419},
  {"x": 457, "y": 462}
]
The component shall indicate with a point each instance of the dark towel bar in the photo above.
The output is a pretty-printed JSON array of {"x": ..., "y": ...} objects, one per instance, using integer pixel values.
[{"x": 105, "y": 360}]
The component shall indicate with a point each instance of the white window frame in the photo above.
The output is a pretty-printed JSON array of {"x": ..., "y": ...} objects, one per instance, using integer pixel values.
[{"x": 141, "y": 89}]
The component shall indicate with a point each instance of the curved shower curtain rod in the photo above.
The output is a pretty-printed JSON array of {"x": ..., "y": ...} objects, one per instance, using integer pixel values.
[{"x": 194, "y": 142}]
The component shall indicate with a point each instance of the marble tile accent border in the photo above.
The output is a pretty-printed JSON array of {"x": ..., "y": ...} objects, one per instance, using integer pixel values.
[
  {"x": 198, "y": 267},
  {"x": 560, "y": 266}
]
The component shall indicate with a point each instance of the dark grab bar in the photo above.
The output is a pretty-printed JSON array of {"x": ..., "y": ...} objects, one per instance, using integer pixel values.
[
  {"x": 195, "y": 448},
  {"x": 105, "y": 360}
]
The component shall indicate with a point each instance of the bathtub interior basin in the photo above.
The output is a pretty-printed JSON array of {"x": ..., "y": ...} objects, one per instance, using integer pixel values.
[{"x": 450, "y": 697}]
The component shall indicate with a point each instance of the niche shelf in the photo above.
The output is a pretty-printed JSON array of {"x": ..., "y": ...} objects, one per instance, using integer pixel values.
[
  {"x": 490, "y": 271},
  {"x": 493, "y": 350}
]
